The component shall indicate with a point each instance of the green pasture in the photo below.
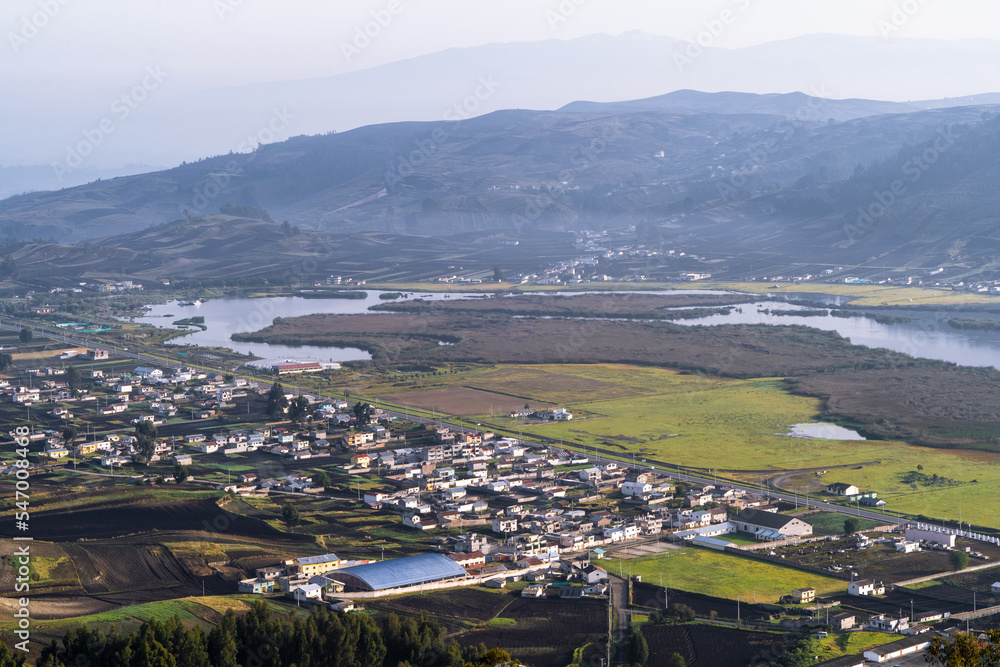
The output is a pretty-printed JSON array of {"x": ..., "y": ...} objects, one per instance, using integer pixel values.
[
  {"x": 726, "y": 425},
  {"x": 723, "y": 575},
  {"x": 853, "y": 643},
  {"x": 832, "y": 523}
]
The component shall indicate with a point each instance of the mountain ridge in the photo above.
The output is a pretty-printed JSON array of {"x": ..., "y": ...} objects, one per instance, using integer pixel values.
[
  {"x": 531, "y": 75},
  {"x": 788, "y": 188}
]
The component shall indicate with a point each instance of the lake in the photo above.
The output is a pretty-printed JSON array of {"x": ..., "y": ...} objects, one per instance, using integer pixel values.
[
  {"x": 925, "y": 336},
  {"x": 224, "y": 317}
]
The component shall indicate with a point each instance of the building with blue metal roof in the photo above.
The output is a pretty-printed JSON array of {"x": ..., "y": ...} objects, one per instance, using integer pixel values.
[{"x": 400, "y": 572}]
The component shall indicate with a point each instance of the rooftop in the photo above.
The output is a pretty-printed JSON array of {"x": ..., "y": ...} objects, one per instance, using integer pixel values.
[
  {"x": 405, "y": 571},
  {"x": 316, "y": 560},
  {"x": 900, "y": 644},
  {"x": 765, "y": 519}
]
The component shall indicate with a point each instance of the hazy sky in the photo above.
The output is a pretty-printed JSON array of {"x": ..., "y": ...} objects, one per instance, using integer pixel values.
[{"x": 225, "y": 42}]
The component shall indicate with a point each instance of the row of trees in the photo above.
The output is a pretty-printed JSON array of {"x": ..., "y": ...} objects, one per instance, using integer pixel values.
[
  {"x": 262, "y": 639},
  {"x": 299, "y": 409}
]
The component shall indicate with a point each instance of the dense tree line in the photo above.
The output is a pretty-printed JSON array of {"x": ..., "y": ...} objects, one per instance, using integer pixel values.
[
  {"x": 966, "y": 650},
  {"x": 8, "y": 658},
  {"x": 263, "y": 639}
]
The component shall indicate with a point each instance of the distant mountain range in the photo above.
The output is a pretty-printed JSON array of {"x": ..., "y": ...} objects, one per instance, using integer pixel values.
[
  {"x": 467, "y": 82},
  {"x": 750, "y": 182},
  {"x": 793, "y": 105}
]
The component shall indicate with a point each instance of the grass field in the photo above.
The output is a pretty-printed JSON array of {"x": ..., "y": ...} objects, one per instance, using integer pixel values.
[
  {"x": 740, "y": 538},
  {"x": 832, "y": 523},
  {"x": 849, "y": 644},
  {"x": 700, "y": 421},
  {"x": 864, "y": 295},
  {"x": 723, "y": 575},
  {"x": 663, "y": 413},
  {"x": 210, "y": 551},
  {"x": 923, "y": 584},
  {"x": 54, "y": 571}
]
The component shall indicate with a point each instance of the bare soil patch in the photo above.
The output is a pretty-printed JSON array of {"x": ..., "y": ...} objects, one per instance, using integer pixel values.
[
  {"x": 463, "y": 401},
  {"x": 709, "y": 646},
  {"x": 45, "y": 607},
  {"x": 103, "y": 523},
  {"x": 532, "y": 382},
  {"x": 546, "y": 632},
  {"x": 979, "y": 580},
  {"x": 467, "y": 604}
]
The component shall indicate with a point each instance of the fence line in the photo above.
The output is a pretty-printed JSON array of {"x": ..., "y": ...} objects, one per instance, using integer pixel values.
[
  {"x": 979, "y": 613},
  {"x": 920, "y": 580}
]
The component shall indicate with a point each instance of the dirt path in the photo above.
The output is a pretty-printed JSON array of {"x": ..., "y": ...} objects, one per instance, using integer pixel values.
[{"x": 619, "y": 598}]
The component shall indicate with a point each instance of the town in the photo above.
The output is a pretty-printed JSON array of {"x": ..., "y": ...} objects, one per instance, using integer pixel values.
[{"x": 499, "y": 512}]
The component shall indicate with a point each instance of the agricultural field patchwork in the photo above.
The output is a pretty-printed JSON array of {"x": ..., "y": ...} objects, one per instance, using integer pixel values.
[
  {"x": 878, "y": 561},
  {"x": 692, "y": 420},
  {"x": 544, "y": 632},
  {"x": 711, "y": 646}
]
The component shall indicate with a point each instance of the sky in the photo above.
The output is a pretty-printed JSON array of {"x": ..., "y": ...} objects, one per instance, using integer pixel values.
[
  {"x": 55, "y": 46},
  {"x": 154, "y": 82}
]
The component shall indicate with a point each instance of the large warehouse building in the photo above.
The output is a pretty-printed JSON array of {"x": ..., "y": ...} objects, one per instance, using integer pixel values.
[{"x": 400, "y": 572}]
